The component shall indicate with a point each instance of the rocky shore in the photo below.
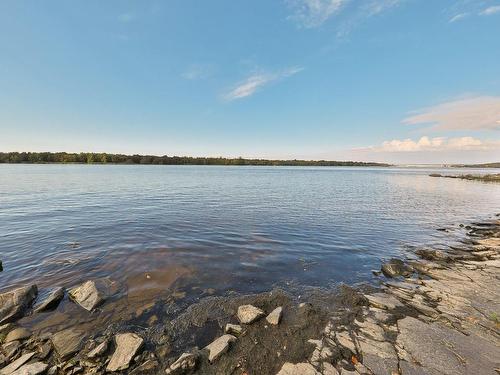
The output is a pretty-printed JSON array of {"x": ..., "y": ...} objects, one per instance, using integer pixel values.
[
  {"x": 435, "y": 313},
  {"x": 473, "y": 177}
]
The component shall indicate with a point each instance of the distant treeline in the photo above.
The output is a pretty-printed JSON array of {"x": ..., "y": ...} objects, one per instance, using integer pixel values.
[{"x": 103, "y": 158}]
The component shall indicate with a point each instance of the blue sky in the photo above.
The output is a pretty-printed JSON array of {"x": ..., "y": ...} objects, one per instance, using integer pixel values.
[{"x": 385, "y": 80}]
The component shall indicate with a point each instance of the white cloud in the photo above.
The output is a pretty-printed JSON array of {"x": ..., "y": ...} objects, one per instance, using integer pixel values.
[
  {"x": 458, "y": 17},
  {"x": 476, "y": 113},
  {"x": 437, "y": 144},
  {"x": 126, "y": 17},
  {"x": 375, "y": 7},
  {"x": 313, "y": 13},
  {"x": 491, "y": 10},
  {"x": 256, "y": 81},
  {"x": 197, "y": 71}
]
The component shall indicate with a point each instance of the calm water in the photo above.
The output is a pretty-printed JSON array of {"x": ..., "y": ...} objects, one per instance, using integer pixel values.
[{"x": 222, "y": 228}]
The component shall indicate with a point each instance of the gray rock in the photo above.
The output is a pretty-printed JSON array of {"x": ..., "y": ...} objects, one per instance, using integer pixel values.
[
  {"x": 127, "y": 346},
  {"x": 275, "y": 316},
  {"x": 99, "y": 350},
  {"x": 14, "y": 303},
  {"x": 18, "y": 334},
  {"x": 31, "y": 369},
  {"x": 383, "y": 301},
  {"x": 396, "y": 267},
  {"x": 67, "y": 342},
  {"x": 186, "y": 361},
  {"x": 219, "y": 347},
  {"x": 234, "y": 329},
  {"x": 379, "y": 357},
  {"x": 298, "y": 369},
  {"x": 16, "y": 364},
  {"x": 328, "y": 369},
  {"x": 248, "y": 314},
  {"x": 51, "y": 301},
  {"x": 89, "y": 295}
]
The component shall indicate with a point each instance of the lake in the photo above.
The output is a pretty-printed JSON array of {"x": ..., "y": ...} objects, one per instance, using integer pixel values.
[{"x": 203, "y": 230}]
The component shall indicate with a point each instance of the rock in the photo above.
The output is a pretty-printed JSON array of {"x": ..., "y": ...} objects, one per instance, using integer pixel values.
[
  {"x": 14, "y": 303},
  {"x": 275, "y": 316},
  {"x": 88, "y": 295},
  {"x": 298, "y": 369},
  {"x": 186, "y": 361},
  {"x": 428, "y": 254},
  {"x": 345, "y": 340},
  {"x": 44, "y": 350},
  {"x": 383, "y": 301},
  {"x": 219, "y": 347},
  {"x": 17, "y": 334},
  {"x": 99, "y": 350},
  {"x": 127, "y": 346},
  {"x": 6, "y": 328},
  {"x": 11, "y": 348},
  {"x": 248, "y": 314},
  {"x": 31, "y": 369},
  {"x": 51, "y": 301},
  {"x": 380, "y": 357},
  {"x": 67, "y": 342},
  {"x": 146, "y": 367},
  {"x": 328, "y": 369},
  {"x": 396, "y": 267},
  {"x": 235, "y": 329},
  {"x": 1, "y": 266},
  {"x": 16, "y": 364}
]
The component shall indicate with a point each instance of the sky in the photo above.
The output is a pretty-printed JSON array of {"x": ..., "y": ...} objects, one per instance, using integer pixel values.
[{"x": 399, "y": 81}]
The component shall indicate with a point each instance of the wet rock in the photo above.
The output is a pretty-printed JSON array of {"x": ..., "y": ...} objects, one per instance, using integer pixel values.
[
  {"x": 31, "y": 369},
  {"x": 431, "y": 254},
  {"x": 248, "y": 314},
  {"x": 88, "y": 295},
  {"x": 51, "y": 301},
  {"x": 127, "y": 346},
  {"x": 219, "y": 347},
  {"x": 275, "y": 316},
  {"x": 14, "y": 303},
  {"x": 16, "y": 364},
  {"x": 234, "y": 329},
  {"x": 298, "y": 369},
  {"x": 18, "y": 334},
  {"x": 396, "y": 267},
  {"x": 186, "y": 361},
  {"x": 67, "y": 342},
  {"x": 99, "y": 350}
]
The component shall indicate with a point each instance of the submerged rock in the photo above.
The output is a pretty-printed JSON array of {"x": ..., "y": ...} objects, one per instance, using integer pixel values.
[
  {"x": 396, "y": 267},
  {"x": 127, "y": 346},
  {"x": 89, "y": 295},
  {"x": 185, "y": 362},
  {"x": 298, "y": 369},
  {"x": 275, "y": 316},
  {"x": 14, "y": 303},
  {"x": 219, "y": 347},
  {"x": 51, "y": 301},
  {"x": 67, "y": 342},
  {"x": 248, "y": 314}
]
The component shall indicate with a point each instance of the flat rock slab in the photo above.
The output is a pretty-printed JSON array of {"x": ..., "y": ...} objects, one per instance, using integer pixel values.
[
  {"x": 67, "y": 342},
  {"x": 275, "y": 316},
  {"x": 89, "y": 295},
  {"x": 248, "y": 314},
  {"x": 51, "y": 301},
  {"x": 127, "y": 346},
  {"x": 31, "y": 369},
  {"x": 442, "y": 350},
  {"x": 219, "y": 347},
  {"x": 298, "y": 369},
  {"x": 14, "y": 303},
  {"x": 16, "y": 364}
]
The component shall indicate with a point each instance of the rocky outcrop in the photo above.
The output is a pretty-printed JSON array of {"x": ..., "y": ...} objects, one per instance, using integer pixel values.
[
  {"x": 247, "y": 314},
  {"x": 127, "y": 346},
  {"x": 13, "y": 304}
]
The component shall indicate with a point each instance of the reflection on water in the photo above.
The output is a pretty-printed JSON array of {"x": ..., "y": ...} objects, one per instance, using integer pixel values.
[{"x": 163, "y": 231}]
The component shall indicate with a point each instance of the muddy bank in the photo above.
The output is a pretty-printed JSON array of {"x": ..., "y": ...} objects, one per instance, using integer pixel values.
[{"x": 436, "y": 313}]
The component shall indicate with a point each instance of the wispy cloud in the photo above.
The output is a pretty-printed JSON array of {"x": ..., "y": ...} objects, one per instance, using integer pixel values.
[
  {"x": 126, "y": 17},
  {"x": 197, "y": 71},
  {"x": 257, "y": 81},
  {"x": 458, "y": 17},
  {"x": 476, "y": 113},
  {"x": 491, "y": 10},
  {"x": 437, "y": 144},
  {"x": 313, "y": 13}
]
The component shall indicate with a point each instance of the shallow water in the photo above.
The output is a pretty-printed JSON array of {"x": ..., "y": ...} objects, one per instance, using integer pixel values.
[{"x": 204, "y": 230}]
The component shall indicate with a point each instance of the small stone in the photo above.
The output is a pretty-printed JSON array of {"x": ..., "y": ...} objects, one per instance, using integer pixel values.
[
  {"x": 248, "y": 314},
  {"x": 14, "y": 303},
  {"x": 18, "y": 334},
  {"x": 298, "y": 369},
  {"x": 99, "y": 350},
  {"x": 67, "y": 342},
  {"x": 275, "y": 316},
  {"x": 235, "y": 329},
  {"x": 127, "y": 346},
  {"x": 16, "y": 364},
  {"x": 88, "y": 295},
  {"x": 51, "y": 301},
  {"x": 219, "y": 347},
  {"x": 185, "y": 362},
  {"x": 31, "y": 369}
]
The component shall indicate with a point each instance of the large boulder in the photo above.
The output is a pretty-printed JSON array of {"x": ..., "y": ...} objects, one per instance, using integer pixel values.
[
  {"x": 90, "y": 294},
  {"x": 14, "y": 303},
  {"x": 127, "y": 346}
]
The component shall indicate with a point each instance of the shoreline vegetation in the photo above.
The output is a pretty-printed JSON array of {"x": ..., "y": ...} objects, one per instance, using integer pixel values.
[
  {"x": 472, "y": 177},
  {"x": 105, "y": 158},
  {"x": 435, "y": 312}
]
